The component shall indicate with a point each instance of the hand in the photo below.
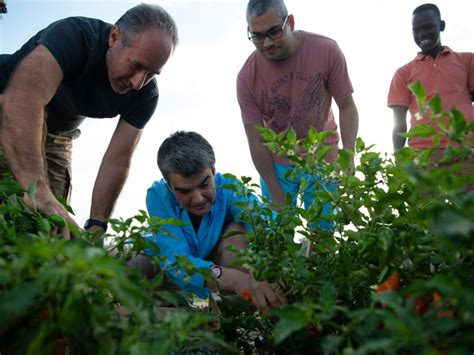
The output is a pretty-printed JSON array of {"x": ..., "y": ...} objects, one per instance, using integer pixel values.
[
  {"x": 49, "y": 205},
  {"x": 98, "y": 232},
  {"x": 264, "y": 296}
]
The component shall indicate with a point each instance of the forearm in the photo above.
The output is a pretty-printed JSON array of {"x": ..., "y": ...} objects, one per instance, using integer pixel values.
[
  {"x": 31, "y": 87},
  {"x": 397, "y": 140},
  {"x": 231, "y": 280},
  {"x": 114, "y": 169},
  {"x": 108, "y": 185},
  {"x": 399, "y": 126},
  {"x": 22, "y": 131},
  {"x": 349, "y": 126},
  {"x": 263, "y": 162}
]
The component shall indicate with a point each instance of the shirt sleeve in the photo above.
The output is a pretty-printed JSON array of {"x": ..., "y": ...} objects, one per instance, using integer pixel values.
[
  {"x": 171, "y": 247},
  {"x": 69, "y": 41},
  {"x": 249, "y": 109},
  {"x": 470, "y": 71},
  {"x": 399, "y": 94},
  {"x": 339, "y": 83},
  {"x": 142, "y": 105},
  {"x": 235, "y": 200}
]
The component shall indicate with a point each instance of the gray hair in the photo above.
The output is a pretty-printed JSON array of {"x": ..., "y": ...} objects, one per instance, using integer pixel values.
[
  {"x": 146, "y": 16},
  {"x": 186, "y": 154},
  {"x": 259, "y": 7}
]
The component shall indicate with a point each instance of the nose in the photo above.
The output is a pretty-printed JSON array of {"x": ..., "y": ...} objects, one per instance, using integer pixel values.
[
  {"x": 197, "y": 198},
  {"x": 138, "y": 79},
  {"x": 268, "y": 42}
]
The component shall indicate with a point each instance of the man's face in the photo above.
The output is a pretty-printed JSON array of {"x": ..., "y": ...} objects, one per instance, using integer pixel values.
[
  {"x": 133, "y": 66},
  {"x": 196, "y": 193},
  {"x": 270, "y": 23},
  {"x": 426, "y": 27}
]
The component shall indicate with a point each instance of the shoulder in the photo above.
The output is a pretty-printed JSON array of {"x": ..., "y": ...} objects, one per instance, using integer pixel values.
[
  {"x": 316, "y": 38},
  {"x": 78, "y": 26},
  {"x": 407, "y": 68},
  {"x": 220, "y": 181},
  {"x": 466, "y": 57},
  {"x": 158, "y": 192},
  {"x": 319, "y": 42},
  {"x": 249, "y": 65}
]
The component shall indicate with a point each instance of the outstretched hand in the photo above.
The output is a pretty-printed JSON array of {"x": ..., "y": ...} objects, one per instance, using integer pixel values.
[
  {"x": 49, "y": 205},
  {"x": 265, "y": 296},
  {"x": 260, "y": 293}
]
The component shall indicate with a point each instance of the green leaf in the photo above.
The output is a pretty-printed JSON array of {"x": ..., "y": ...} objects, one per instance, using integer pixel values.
[
  {"x": 43, "y": 225},
  {"x": 17, "y": 302},
  {"x": 344, "y": 159},
  {"x": 419, "y": 91},
  {"x": 31, "y": 191},
  {"x": 436, "y": 105},
  {"x": 57, "y": 220},
  {"x": 291, "y": 321},
  {"x": 421, "y": 130}
]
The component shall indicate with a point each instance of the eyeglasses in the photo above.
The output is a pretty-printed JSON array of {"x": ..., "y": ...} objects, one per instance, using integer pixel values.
[{"x": 273, "y": 33}]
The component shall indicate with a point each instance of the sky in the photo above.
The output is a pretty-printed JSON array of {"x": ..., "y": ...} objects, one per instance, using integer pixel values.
[{"x": 197, "y": 86}]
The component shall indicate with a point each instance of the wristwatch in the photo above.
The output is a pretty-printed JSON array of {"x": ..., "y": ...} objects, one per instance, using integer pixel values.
[
  {"x": 94, "y": 222},
  {"x": 217, "y": 271}
]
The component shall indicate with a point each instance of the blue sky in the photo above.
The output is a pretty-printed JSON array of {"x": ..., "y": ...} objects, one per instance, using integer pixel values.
[{"x": 197, "y": 86}]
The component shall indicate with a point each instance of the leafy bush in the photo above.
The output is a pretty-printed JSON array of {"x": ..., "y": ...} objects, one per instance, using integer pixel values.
[
  {"x": 57, "y": 294},
  {"x": 407, "y": 221},
  {"x": 395, "y": 276}
]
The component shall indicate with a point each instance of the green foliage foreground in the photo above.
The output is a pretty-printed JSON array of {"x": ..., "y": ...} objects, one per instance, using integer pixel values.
[{"x": 408, "y": 218}]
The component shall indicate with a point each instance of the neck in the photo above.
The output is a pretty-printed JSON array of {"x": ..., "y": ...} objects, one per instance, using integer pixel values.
[
  {"x": 296, "y": 37},
  {"x": 434, "y": 52},
  {"x": 195, "y": 220}
]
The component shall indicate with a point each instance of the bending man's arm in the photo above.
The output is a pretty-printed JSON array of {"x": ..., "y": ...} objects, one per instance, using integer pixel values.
[
  {"x": 31, "y": 87},
  {"x": 262, "y": 159},
  {"x": 348, "y": 121},
  {"x": 399, "y": 126},
  {"x": 114, "y": 169}
]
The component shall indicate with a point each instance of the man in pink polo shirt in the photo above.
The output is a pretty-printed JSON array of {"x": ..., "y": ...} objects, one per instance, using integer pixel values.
[
  {"x": 439, "y": 69},
  {"x": 288, "y": 82}
]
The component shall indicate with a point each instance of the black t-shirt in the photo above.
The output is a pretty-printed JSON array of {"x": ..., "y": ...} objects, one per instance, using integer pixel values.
[{"x": 79, "y": 44}]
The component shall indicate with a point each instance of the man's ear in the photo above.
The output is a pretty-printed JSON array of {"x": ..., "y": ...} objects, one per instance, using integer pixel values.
[
  {"x": 443, "y": 25},
  {"x": 291, "y": 21},
  {"x": 114, "y": 36}
]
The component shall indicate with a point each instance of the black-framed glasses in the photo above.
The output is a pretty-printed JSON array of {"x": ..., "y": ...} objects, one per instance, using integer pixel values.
[{"x": 273, "y": 33}]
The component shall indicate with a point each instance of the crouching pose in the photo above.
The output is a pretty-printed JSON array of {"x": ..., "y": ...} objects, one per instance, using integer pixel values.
[{"x": 190, "y": 191}]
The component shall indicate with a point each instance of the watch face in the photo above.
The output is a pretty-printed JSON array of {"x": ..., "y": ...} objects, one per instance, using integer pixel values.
[{"x": 217, "y": 271}]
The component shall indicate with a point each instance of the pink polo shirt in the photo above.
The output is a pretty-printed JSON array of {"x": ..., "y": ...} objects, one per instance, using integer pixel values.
[
  {"x": 295, "y": 93},
  {"x": 450, "y": 74}
]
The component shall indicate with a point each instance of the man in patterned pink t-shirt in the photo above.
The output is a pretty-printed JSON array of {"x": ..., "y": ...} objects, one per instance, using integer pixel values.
[{"x": 289, "y": 82}]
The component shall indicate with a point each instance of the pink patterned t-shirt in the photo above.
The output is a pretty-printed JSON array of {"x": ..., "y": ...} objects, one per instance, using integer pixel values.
[{"x": 295, "y": 92}]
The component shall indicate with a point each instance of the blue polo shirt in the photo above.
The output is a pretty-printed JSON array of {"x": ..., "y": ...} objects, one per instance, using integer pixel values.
[{"x": 196, "y": 247}]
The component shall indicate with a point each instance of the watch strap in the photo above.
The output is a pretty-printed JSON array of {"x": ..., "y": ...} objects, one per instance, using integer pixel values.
[{"x": 95, "y": 222}]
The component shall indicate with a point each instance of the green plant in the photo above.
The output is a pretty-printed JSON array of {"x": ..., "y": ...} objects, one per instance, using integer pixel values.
[
  {"x": 404, "y": 217},
  {"x": 57, "y": 294}
]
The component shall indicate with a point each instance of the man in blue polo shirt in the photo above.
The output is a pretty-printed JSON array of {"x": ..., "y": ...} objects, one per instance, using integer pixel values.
[{"x": 190, "y": 191}]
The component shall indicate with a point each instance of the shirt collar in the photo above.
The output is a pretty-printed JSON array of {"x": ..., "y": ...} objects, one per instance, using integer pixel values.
[{"x": 446, "y": 51}]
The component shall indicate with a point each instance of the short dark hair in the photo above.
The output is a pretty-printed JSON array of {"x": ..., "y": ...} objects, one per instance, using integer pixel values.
[
  {"x": 259, "y": 7},
  {"x": 147, "y": 16},
  {"x": 426, "y": 7},
  {"x": 185, "y": 153}
]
